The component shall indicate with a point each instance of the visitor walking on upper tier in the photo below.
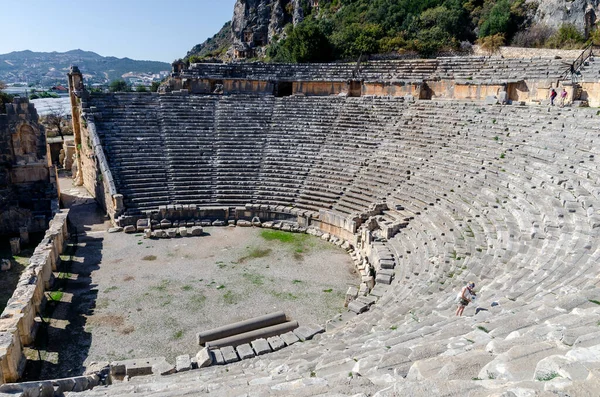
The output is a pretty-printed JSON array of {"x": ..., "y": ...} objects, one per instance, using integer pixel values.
[
  {"x": 563, "y": 97},
  {"x": 553, "y": 95},
  {"x": 465, "y": 296}
]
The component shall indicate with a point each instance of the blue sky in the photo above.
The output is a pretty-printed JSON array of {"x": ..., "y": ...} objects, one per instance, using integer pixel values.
[{"x": 138, "y": 29}]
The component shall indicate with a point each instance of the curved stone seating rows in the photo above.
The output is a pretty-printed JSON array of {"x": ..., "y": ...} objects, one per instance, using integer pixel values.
[
  {"x": 475, "y": 68},
  {"x": 504, "y": 196}
]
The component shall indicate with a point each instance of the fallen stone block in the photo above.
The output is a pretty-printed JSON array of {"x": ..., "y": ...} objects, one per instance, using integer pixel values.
[
  {"x": 276, "y": 343},
  {"x": 218, "y": 223},
  {"x": 197, "y": 231},
  {"x": 148, "y": 233},
  {"x": 204, "y": 358},
  {"x": 141, "y": 367},
  {"x": 64, "y": 385},
  {"x": 115, "y": 229},
  {"x": 289, "y": 338},
  {"x": 244, "y": 223},
  {"x": 261, "y": 346},
  {"x": 163, "y": 368},
  {"x": 142, "y": 224},
  {"x": 267, "y": 224},
  {"x": 183, "y": 363},
  {"x": 165, "y": 224},
  {"x": 358, "y": 307},
  {"x": 218, "y": 357},
  {"x": 307, "y": 332},
  {"x": 229, "y": 354},
  {"x": 129, "y": 229},
  {"x": 244, "y": 351},
  {"x": 351, "y": 294},
  {"x": 369, "y": 299},
  {"x": 171, "y": 233},
  {"x": 183, "y": 231},
  {"x": 205, "y": 222}
]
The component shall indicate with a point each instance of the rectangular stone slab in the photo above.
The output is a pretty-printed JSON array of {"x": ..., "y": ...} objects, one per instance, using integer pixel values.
[
  {"x": 307, "y": 332},
  {"x": 261, "y": 346},
  {"x": 358, "y": 307},
  {"x": 245, "y": 351},
  {"x": 229, "y": 354},
  {"x": 183, "y": 363},
  {"x": 276, "y": 343},
  {"x": 218, "y": 357},
  {"x": 289, "y": 338}
]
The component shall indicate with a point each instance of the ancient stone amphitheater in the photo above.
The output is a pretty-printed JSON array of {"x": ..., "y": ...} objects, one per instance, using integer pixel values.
[{"x": 434, "y": 173}]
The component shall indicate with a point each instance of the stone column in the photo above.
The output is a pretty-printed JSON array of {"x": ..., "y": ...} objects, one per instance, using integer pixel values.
[{"x": 75, "y": 90}]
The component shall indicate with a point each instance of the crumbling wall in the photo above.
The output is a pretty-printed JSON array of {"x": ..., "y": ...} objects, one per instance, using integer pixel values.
[
  {"x": 17, "y": 322},
  {"x": 92, "y": 168},
  {"x": 28, "y": 188}
]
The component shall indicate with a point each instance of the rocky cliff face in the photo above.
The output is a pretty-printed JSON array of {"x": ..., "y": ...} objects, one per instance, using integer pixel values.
[
  {"x": 256, "y": 23},
  {"x": 581, "y": 13}
]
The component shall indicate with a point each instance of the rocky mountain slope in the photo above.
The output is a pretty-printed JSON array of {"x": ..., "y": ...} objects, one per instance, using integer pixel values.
[
  {"x": 380, "y": 26},
  {"x": 581, "y": 13},
  {"x": 49, "y": 68}
]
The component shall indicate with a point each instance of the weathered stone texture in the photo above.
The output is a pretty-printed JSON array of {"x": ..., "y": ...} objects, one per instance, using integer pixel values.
[
  {"x": 28, "y": 194},
  {"x": 17, "y": 322}
]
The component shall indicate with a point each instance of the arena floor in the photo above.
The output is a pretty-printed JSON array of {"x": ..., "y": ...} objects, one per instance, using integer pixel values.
[{"x": 130, "y": 297}]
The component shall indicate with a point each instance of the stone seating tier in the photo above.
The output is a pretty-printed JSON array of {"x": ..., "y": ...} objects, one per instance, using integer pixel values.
[
  {"x": 505, "y": 196},
  {"x": 473, "y": 68}
]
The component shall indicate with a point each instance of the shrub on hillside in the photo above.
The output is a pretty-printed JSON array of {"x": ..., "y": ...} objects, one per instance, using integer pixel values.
[
  {"x": 536, "y": 36},
  {"x": 493, "y": 43},
  {"x": 566, "y": 37}
]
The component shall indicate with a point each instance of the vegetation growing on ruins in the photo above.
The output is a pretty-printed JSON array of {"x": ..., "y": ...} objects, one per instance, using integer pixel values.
[{"x": 4, "y": 97}]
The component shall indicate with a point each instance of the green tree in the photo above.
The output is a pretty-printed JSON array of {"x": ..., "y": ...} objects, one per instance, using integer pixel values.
[
  {"x": 305, "y": 43},
  {"x": 4, "y": 97},
  {"x": 119, "y": 86},
  {"x": 141, "y": 88},
  {"x": 154, "y": 86},
  {"x": 356, "y": 39}
]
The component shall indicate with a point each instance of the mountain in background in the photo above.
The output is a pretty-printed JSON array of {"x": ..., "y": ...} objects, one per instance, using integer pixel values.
[
  {"x": 329, "y": 30},
  {"x": 51, "y": 68}
]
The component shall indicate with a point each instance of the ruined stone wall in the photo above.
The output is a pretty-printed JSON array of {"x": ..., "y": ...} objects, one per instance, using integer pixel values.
[
  {"x": 92, "y": 168},
  {"x": 17, "y": 322},
  {"x": 392, "y": 89},
  {"x": 96, "y": 176},
  {"x": 28, "y": 189}
]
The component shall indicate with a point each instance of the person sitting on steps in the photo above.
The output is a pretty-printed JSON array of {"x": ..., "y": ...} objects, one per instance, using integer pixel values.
[{"x": 465, "y": 296}]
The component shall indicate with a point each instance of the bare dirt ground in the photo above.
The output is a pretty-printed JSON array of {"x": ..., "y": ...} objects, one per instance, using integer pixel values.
[
  {"x": 122, "y": 296},
  {"x": 155, "y": 295}
]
